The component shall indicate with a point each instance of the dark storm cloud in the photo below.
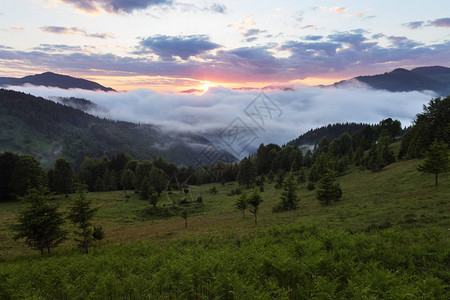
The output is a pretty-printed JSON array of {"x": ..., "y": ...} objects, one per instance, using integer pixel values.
[{"x": 167, "y": 47}]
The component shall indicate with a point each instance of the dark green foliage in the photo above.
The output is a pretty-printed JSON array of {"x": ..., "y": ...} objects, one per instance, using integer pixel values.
[
  {"x": 142, "y": 170},
  {"x": 62, "y": 176},
  {"x": 329, "y": 190},
  {"x": 254, "y": 200},
  {"x": 289, "y": 198},
  {"x": 293, "y": 261},
  {"x": 432, "y": 124},
  {"x": 323, "y": 163},
  {"x": 153, "y": 197},
  {"x": 265, "y": 156},
  {"x": 127, "y": 180},
  {"x": 8, "y": 161},
  {"x": 27, "y": 174},
  {"x": 247, "y": 172},
  {"x": 379, "y": 155},
  {"x": 40, "y": 222},
  {"x": 301, "y": 179},
  {"x": 342, "y": 146},
  {"x": 213, "y": 190},
  {"x": 271, "y": 176},
  {"x": 436, "y": 160},
  {"x": 332, "y": 131},
  {"x": 158, "y": 179},
  {"x": 98, "y": 233},
  {"x": 392, "y": 127},
  {"x": 242, "y": 203},
  {"x": 236, "y": 191},
  {"x": 307, "y": 160},
  {"x": 81, "y": 214},
  {"x": 91, "y": 173},
  {"x": 146, "y": 189},
  {"x": 311, "y": 186}
]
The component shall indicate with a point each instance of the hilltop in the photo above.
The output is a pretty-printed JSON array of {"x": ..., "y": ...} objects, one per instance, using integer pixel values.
[
  {"x": 50, "y": 79},
  {"x": 435, "y": 78}
]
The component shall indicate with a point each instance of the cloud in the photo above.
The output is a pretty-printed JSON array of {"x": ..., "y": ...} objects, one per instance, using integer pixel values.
[
  {"x": 346, "y": 54},
  {"x": 313, "y": 37},
  {"x": 15, "y": 28},
  {"x": 253, "y": 32},
  {"x": 57, "y": 48},
  {"x": 167, "y": 47},
  {"x": 414, "y": 25},
  {"x": 338, "y": 9},
  {"x": 209, "y": 114},
  {"x": 443, "y": 22},
  {"x": 116, "y": 6},
  {"x": 251, "y": 39},
  {"x": 75, "y": 30},
  {"x": 216, "y": 7},
  {"x": 310, "y": 26}
]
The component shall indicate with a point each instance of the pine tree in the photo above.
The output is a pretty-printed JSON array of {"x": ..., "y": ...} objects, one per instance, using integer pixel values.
[
  {"x": 254, "y": 200},
  {"x": 62, "y": 177},
  {"x": 247, "y": 172},
  {"x": 436, "y": 160},
  {"x": 289, "y": 194},
  {"x": 301, "y": 179},
  {"x": 81, "y": 214},
  {"x": 241, "y": 203},
  {"x": 40, "y": 223},
  {"x": 329, "y": 190}
]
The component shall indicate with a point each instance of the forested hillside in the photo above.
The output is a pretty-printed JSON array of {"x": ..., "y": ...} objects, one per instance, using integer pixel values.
[
  {"x": 48, "y": 130},
  {"x": 331, "y": 131}
]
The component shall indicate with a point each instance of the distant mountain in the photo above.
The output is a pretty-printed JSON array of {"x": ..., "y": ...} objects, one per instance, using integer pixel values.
[
  {"x": 48, "y": 130},
  {"x": 266, "y": 88},
  {"x": 332, "y": 131},
  {"x": 434, "y": 78},
  {"x": 190, "y": 91},
  {"x": 50, "y": 79}
]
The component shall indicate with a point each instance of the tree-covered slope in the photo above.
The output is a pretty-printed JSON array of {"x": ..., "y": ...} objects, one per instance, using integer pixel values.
[
  {"x": 331, "y": 131},
  {"x": 47, "y": 130}
]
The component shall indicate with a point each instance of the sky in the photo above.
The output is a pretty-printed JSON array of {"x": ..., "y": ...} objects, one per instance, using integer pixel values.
[{"x": 176, "y": 45}]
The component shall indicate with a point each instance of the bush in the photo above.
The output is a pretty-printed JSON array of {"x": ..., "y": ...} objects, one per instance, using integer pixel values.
[
  {"x": 98, "y": 233},
  {"x": 311, "y": 186},
  {"x": 213, "y": 190}
]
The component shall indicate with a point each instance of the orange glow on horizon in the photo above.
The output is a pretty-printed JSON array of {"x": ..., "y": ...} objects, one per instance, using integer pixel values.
[{"x": 124, "y": 82}]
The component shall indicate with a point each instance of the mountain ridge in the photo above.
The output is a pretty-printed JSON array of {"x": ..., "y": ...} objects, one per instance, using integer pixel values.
[
  {"x": 50, "y": 79},
  {"x": 430, "y": 78}
]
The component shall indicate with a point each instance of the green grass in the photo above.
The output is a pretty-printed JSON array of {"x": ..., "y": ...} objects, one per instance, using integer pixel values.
[{"x": 388, "y": 237}]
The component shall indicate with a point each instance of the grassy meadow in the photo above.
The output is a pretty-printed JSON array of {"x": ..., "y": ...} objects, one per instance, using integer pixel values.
[{"x": 388, "y": 237}]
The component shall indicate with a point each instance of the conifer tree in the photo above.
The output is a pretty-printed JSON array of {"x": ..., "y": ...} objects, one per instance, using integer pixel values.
[
  {"x": 40, "y": 223},
  {"x": 81, "y": 214},
  {"x": 436, "y": 160}
]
